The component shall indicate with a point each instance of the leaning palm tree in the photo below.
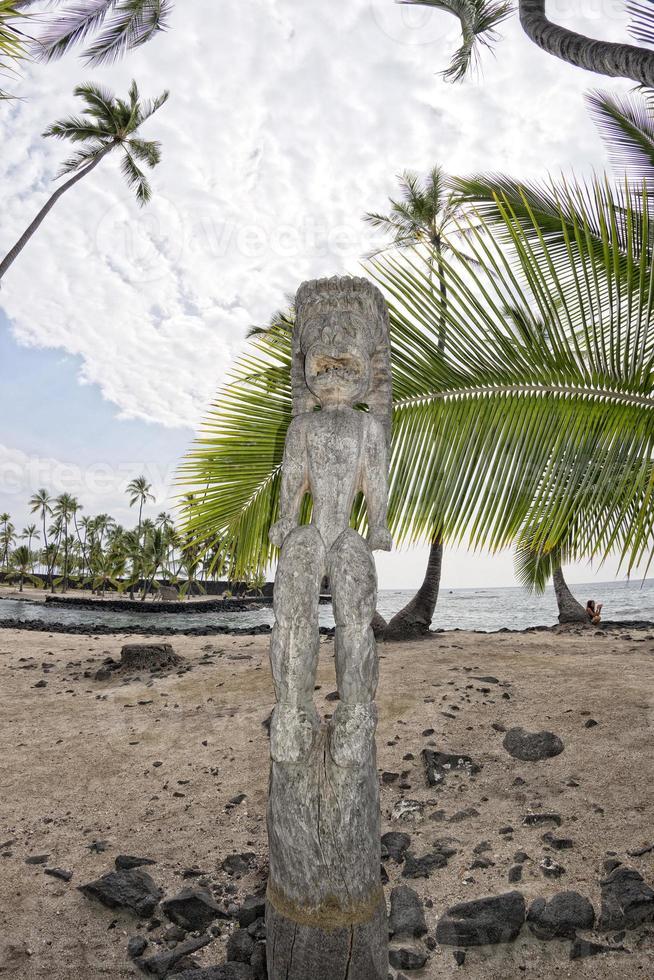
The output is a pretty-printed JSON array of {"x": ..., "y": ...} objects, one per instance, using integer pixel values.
[
  {"x": 427, "y": 215},
  {"x": 107, "y": 123},
  {"x": 479, "y": 19},
  {"x": 107, "y": 28}
]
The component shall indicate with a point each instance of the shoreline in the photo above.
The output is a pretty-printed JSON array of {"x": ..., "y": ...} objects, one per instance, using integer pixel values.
[{"x": 264, "y": 629}]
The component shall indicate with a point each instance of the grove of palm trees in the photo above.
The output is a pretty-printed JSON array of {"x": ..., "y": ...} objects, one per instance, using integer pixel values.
[{"x": 340, "y": 762}]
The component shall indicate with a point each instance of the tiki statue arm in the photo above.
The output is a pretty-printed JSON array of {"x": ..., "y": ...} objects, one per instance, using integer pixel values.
[
  {"x": 375, "y": 486},
  {"x": 295, "y": 482}
]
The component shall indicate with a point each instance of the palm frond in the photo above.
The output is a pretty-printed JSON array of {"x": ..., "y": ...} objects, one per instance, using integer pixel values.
[
  {"x": 70, "y": 27},
  {"x": 537, "y": 422},
  {"x": 81, "y": 159},
  {"x": 627, "y": 127},
  {"x": 147, "y": 151},
  {"x": 641, "y": 26},
  {"x": 233, "y": 468},
  {"x": 134, "y": 23},
  {"x": 135, "y": 178},
  {"x": 13, "y": 46},
  {"x": 115, "y": 26},
  {"x": 479, "y": 21}
]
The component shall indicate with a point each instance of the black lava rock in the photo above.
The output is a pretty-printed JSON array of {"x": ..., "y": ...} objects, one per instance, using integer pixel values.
[
  {"x": 240, "y": 946},
  {"x": 396, "y": 844},
  {"x": 194, "y": 909},
  {"x": 560, "y": 916},
  {"x": 581, "y": 948},
  {"x": 136, "y": 946},
  {"x": 407, "y": 959},
  {"x": 532, "y": 746},
  {"x": 439, "y": 764},
  {"x": 627, "y": 901},
  {"x": 161, "y": 964},
  {"x": 497, "y": 919},
  {"x": 253, "y": 908},
  {"x": 59, "y": 873},
  {"x": 515, "y": 874},
  {"x": 126, "y": 862},
  {"x": 407, "y": 919},
  {"x": 422, "y": 867},
  {"x": 133, "y": 890}
]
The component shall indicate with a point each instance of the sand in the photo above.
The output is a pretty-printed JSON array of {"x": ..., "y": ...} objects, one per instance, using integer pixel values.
[{"x": 77, "y": 760}]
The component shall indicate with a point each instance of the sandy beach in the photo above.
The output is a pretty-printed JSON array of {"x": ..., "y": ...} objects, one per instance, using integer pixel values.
[{"x": 147, "y": 766}]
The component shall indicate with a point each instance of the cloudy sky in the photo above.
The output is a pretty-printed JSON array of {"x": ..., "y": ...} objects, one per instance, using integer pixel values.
[{"x": 286, "y": 122}]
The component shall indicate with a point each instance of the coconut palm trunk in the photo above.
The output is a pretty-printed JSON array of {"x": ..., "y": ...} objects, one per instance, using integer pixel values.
[
  {"x": 415, "y": 618},
  {"x": 14, "y": 252},
  {"x": 570, "y": 611},
  {"x": 601, "y": 57}
]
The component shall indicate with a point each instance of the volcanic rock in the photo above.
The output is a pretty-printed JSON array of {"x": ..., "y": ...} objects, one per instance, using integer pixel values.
[
  {"x": 532, "y": 746},
  {"x": 133, "y": 890},
  {"x": 396, "y": 844},
  {"x": 407, "y": 919},
  {"x": 407, "y": 959},
  {"x": 497, "y": 919},
  {"x": 560, "y": 916},
  {"x": 627, "y": 901},
  {"x": 194, "y": 909}
]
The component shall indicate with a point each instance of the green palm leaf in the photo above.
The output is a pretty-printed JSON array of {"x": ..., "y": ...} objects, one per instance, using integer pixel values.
[
  {"x": 479, "y": 20},
  {"x": 537, "y": 423}
]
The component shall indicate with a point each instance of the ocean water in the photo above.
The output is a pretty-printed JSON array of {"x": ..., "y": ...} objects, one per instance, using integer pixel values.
[{"x": 468, "y": 609}]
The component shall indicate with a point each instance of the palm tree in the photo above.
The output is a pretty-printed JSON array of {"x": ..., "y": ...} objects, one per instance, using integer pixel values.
[
  {"x": 512, "y": 433},
  {"x": 114, "y": 27},
  {"x": 41, "y": 502},
  {"x": 64, "y": 509},
  {"x": 7, "y": 537},
  {"x": 479, "y": 21},
  {"x": 479, "y": 18},
  {"x": 107, "y": 123},
  {"x": 139, "y": 491},
  {"x": 428, "y": 214},
  {"x": 22, "y": 561},
  {"x": 601, "y": 57},
  {"x": 28, "y": 534},
  {"x": 155, "y": 552}
]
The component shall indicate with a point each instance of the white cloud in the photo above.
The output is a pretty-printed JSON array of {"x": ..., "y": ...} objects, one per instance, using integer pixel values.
[{"x": 287, "y": 121}]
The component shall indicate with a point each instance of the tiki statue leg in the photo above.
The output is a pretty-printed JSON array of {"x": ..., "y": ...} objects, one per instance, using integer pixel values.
[
  {"x": 295, "y": 644},
  {"x": 354, "y": 595}
]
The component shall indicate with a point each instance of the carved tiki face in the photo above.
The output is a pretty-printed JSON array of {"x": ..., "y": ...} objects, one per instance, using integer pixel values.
[
  {"x": 341, "y": 348},
  {"x": 336, "y": 365}
]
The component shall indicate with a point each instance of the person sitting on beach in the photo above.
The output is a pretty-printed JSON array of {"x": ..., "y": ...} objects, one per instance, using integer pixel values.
[{"x": 594, "y": 611}]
